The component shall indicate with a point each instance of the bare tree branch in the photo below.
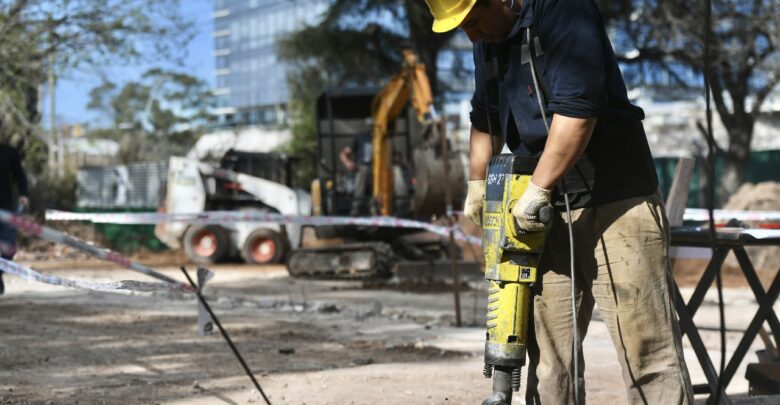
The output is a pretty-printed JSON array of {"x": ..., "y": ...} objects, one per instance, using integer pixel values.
[
  {"x": 12, "y": 19},
  {"x": 761, "y": 95}
]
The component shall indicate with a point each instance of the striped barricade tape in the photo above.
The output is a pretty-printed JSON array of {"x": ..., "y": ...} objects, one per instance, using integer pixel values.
[
  {"x": 30, "y": 227},
  {"x": 18, "y": 270},
  {"x": 700, "y": 214},
  {"x": 217, "y": 217}
]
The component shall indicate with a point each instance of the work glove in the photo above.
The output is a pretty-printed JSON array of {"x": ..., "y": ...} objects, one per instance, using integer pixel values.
[
  {"x": 475, "y": 199},
  {"x": 526, "y": 210}
]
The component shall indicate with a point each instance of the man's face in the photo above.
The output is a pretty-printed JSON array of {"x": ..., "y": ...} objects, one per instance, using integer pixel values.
[{"x": 489, "y": 24}]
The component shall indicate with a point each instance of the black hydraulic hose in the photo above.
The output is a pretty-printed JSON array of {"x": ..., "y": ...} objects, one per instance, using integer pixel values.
[
  {"x": 575, "y": 330},
  {"x": 711, "y": 192},
  {"x": 225, "y": 335}
]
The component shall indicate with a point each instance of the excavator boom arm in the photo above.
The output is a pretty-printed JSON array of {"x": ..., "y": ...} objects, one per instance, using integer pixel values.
[{"x": 411, "y": 83}]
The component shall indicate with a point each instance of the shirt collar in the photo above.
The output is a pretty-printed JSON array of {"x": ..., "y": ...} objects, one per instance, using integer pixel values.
[{"x": 524, "y": 18}]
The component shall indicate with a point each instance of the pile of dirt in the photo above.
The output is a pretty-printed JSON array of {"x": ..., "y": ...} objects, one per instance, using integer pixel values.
[
  {"x": 164, "y": 258},
  {"x": 757, "y": 197},
  {"x": 40, "y": 250},
  {"x": 31, "y": 248}
]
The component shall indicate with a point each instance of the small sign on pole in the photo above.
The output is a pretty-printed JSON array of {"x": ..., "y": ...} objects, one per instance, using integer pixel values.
[{"x": 205, "y": 324}]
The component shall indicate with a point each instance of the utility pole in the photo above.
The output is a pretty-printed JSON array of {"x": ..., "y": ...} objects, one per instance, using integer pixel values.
[
  {"x": 52, "y": 124},
  {"x": 61, "y": 153},
  {"x": 445, "y": 152}
]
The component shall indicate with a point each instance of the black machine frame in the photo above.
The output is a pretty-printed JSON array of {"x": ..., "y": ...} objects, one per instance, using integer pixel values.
[
  {"x": 342, "y": 115},
  {"x": 725, "y": 242}
]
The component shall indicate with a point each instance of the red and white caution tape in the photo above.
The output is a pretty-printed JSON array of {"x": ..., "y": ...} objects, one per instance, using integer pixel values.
[
  {"x": 225, "y": 217},
  {"x": 18, "y": 270},
  {"x": 700, "y": 214},
  {"x": 218, "y": 217},
  {"x": 30, "y": 227}
]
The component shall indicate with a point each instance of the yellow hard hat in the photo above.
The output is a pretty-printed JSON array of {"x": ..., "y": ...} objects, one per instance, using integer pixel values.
[{"x": 448, "y": 14}]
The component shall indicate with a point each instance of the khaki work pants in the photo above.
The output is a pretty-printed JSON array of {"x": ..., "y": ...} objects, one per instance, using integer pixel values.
[{"x": 621, "y": 264}]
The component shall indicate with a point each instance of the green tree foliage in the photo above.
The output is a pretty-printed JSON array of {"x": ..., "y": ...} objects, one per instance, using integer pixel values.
[
  {"x": 36, "y": 36},
  {"x": 358, "y": 42},
  {"x": 305, "y": 86},
  {"x": 158, "y": 116}
]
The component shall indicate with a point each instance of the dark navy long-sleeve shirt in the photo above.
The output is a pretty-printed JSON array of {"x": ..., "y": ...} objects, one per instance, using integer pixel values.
[
  {"x": 10, "y": 168},
  {"x": 580, "y": 78}
]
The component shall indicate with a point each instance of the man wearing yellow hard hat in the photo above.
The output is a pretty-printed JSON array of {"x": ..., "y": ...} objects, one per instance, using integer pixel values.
[{"x": 548, "y": 87}]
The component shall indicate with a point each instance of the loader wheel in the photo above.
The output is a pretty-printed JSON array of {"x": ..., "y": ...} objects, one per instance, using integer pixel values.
[
  {"x": 205, "y": 244},
  {"x": 263, "y": 246}
]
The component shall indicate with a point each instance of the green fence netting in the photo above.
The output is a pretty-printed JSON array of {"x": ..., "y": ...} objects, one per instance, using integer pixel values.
[
  {"x": 128, "y": 238},
  {"x": 763, "y": 166}
]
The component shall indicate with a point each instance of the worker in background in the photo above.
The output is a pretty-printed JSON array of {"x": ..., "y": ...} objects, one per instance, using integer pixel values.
[
  {"x": 11, "y": 172},
  {"x": 357, "y": 159},
  {"x": 597, "y": 153}
]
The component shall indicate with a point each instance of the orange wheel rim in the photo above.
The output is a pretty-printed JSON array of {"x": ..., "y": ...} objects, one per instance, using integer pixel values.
[
  {"x": 204, "y": 243},
  {"x": 263, "y": 249}
]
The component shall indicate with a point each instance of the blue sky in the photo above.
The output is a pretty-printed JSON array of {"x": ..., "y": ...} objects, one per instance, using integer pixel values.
[{"x": 73, "y": 90}]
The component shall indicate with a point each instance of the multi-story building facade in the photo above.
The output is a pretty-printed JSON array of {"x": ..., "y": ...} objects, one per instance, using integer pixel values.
[{"x": 251, "y": 81}]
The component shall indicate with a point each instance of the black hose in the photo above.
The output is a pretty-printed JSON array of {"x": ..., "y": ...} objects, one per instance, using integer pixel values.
[
  {"x": 225, "y": 335},
  {"x": 711, "y": 192}
]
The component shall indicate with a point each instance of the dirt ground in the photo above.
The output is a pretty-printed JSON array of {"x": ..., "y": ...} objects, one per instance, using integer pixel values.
[{"x": 308, "y": 342}]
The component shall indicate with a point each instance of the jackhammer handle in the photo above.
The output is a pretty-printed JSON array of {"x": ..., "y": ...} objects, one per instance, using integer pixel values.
[{"x": 546, "y": 214}]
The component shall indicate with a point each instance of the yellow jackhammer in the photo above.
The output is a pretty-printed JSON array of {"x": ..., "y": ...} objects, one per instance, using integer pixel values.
[{"x": 511, "y": 259}]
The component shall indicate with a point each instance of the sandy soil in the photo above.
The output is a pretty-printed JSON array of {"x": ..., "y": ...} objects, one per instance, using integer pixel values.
[{"x": 308, "y": 342}]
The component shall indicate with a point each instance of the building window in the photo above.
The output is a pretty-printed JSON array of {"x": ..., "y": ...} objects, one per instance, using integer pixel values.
[
  {"x": 269, "y": 116},
  {"x": 223, "y": 62},
  {"x": 221, "y": 42},
  {"x": 223, "y": 101}
]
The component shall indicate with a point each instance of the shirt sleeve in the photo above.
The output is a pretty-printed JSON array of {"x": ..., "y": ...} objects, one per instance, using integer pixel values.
[
  {"x": 18, "y": 172},
  {"x": 480, "y": 105},
  {"x": 572, "y": 37}
]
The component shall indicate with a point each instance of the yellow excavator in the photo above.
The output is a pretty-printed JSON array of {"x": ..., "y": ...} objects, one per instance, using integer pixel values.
[
  {"x": 407, "y": 178},
  {"x": 411, "y": 83}
]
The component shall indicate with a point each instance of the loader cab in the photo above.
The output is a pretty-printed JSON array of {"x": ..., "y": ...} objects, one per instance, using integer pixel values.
[
  {"x": 344, "y": 120},
  {"x": 274, "y": 167}
]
